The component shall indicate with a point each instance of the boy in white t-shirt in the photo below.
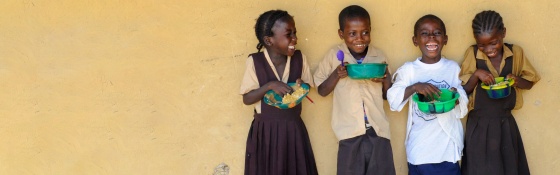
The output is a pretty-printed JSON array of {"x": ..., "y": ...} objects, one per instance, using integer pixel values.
[{"x": 434, "y": 142}]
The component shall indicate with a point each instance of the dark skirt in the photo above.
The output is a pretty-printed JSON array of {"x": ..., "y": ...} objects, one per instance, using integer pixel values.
[
  {"x": 279, "y": 146},
  {"x": 493, "y": 145}
]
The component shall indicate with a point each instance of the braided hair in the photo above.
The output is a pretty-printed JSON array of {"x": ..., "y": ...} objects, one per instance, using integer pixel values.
[
  {"x": 486, "y": 22},
  {"x": 353, "y": 11},
  {"x": 432, "y": 17},
  {"x": 264, "y": 24}
]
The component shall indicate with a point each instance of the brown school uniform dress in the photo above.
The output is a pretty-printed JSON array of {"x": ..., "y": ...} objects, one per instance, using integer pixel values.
[
  {"x": 493, "y": 144},
  {"x": 278, "y": 143}
]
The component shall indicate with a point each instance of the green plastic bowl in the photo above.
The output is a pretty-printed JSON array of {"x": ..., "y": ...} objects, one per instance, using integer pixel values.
[
  {"x": 366, "y": 70},
  {"x": 273, "y": 99},
  {"x": 500, "y": 91},
  {"x": 445, "y": 103}
]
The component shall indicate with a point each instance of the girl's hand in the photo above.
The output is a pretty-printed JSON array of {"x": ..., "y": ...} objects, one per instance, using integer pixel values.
[
  {"x": 341, "y": 71},
  {"x": 485, "y": 76},
  {"x": 514, "y": 78},
  {"x": 299, "y": 82},
  {"x": 427, "y": 89},
  {"x": 279, "y": 87}
]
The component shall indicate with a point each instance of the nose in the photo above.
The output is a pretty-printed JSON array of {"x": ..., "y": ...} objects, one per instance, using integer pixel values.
[{"x": 488, "y": 49}]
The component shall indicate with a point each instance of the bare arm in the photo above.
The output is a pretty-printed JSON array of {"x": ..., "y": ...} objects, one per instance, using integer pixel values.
[
  {"x": 328, "y": 85},
  {"x": 520, "y": 82},
  {"x": 482, "y": 75},
  {"x": 386, "y": 80},
  {"x": 254, "y": 96}
]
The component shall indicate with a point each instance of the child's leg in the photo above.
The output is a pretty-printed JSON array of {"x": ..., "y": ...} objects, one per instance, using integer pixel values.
[{"x": 444, "y": 168}]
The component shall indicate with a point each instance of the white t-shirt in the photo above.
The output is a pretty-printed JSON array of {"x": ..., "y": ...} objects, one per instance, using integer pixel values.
[{"x": 430, "y": 138}]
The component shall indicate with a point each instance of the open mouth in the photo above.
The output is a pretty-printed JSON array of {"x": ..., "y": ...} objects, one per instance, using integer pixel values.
[
  {"x": 292, "y": 47},
  {"x": 432, "y": 46},
  {"x": 492, "y": 54},
  {"x": 361, "y": 45}
]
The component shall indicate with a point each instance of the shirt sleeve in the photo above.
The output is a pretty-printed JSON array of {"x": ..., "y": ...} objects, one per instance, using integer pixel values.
[
  {"x": 463, "y": 98},
  {"x": 395, "y": 94},
  {"x": 468, "y": 67},
  {"x": 525, "y": 69},
  {"x": 306, "y": 75},
  {"x": 325, "y": 68},
  {"x": 249, "y": 81}
]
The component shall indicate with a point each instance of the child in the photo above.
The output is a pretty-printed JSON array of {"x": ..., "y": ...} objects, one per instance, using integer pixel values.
[
  {"x": 358, "y": 119},
  {"x": 278, "y": 143},
  {"x": 493, "y": 144},
  {"x": 433, "y": 141}
]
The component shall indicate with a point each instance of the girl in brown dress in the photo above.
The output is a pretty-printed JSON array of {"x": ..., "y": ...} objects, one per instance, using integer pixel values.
[
  {"x": 493, "y": 143},
  {"x": 278, "y": 143}
]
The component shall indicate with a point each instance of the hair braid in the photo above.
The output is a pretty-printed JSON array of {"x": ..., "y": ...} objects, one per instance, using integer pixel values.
[
  {"x": 486, "y": 22},
  {"x": 264, "y": 25}
]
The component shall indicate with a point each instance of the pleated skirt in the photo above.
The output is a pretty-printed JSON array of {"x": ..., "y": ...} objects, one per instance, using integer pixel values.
[
  {"x": 493, "y": 146},
  {"x": 279, "y": 146}
]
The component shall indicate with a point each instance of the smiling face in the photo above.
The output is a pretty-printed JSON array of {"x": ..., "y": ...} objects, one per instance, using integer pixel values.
[
  {"x": 491, "y": 43},
  {"x": 430, "y": 38},
  {"x": 284, "y": 40},
  {"x": 356, "y": 36}
]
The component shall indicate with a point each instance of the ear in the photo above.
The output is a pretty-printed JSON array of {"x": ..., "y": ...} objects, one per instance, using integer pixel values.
[
  {"x": 268, "y": 41},
  {"x": 504, "y": 33},
  {"x": 445, "y": 39},
  {"x": 414, "y": 41},
  {"x": 340, "y": 34}
]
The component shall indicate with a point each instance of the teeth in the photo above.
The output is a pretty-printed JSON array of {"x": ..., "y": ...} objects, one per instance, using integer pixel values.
[
  {"x": 361, "y": 45},
  {"x": 291, "y": 47},
  {"x": 431, "y": 46}
]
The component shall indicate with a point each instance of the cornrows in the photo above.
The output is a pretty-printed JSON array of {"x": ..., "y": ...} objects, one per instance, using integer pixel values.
[
  {"x": 486, "y": 22},
  {"x": 264, "y": 24}
]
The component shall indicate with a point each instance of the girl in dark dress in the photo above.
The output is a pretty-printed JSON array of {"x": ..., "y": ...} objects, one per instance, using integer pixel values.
[
  {"x": 493, "y": 143},
  {"x": 278, "y": 143}
]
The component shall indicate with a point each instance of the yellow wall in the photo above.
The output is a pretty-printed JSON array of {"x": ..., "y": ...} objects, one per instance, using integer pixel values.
[{"x": 151, "y": 87}]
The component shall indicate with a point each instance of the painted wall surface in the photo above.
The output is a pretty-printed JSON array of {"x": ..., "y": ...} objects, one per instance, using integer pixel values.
[{"x": 151, "y": 87}]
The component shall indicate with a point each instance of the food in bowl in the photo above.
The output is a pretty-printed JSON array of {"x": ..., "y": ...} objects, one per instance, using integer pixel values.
[
  {"x": 294, "y": 96},
  {"x": 438, "y": 105},
  {"x": 289, "y": 100},
  {"x": 501, "y": 89},
  {"x": 366, "y": 70}
]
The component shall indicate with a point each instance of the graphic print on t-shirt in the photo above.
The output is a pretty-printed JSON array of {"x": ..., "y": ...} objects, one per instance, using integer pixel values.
[{"x": 427, "y": 117}]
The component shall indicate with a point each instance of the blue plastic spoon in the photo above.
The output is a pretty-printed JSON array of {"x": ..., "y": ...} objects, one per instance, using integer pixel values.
[{"x": 340, "y": 56}]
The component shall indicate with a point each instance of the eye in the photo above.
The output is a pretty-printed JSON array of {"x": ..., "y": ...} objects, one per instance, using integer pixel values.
[
  {"x": 437, "y": 33},
  {"x": 352, "y": 34},
  {"x": 480, "y": 47}
]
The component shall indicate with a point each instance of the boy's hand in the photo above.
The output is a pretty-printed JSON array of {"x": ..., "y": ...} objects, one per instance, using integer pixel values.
[
  {"x": 485, "y": 76},
  {"x": 380, "y": 80},
  {"x": 279, "y": 87},
  {"x": 341, "y": 71},
  {"x": 453, "y": 89},
  {"x": 427, "y": 89}
]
